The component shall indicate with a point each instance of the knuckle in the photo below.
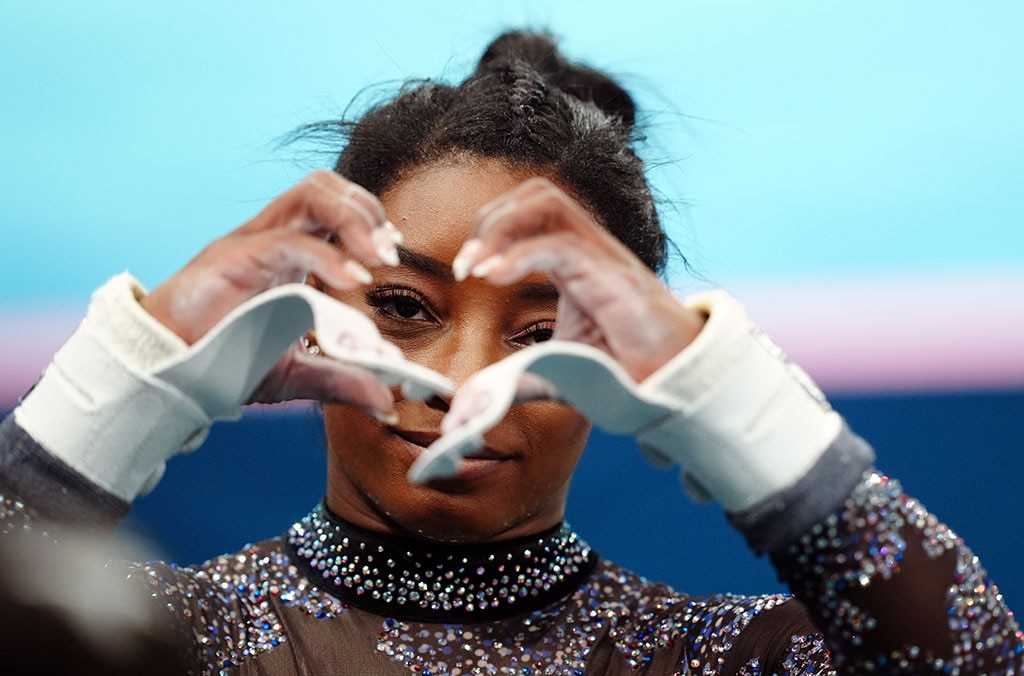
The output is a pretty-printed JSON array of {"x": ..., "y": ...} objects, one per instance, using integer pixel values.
[
  {"x": 321, "y": 176},
  {"x": 552, "y": 201},
  {"x": 539, "y": 183},
  {"x": 303, "y": 191},
  {"x": 313, "y": 184}
]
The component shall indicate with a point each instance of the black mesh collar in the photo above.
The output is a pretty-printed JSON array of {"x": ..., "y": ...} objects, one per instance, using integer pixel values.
[{"x": 410, "y": 579}]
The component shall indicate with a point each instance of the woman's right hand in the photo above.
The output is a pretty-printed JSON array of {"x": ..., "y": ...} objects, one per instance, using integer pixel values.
[{"x": 281, "y": 245}]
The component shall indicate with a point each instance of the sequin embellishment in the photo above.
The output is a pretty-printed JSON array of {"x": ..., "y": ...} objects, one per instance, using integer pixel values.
[
  {"x": 866, "y": 543},
  {"x": 237, "y": 608},
  {"x": 411, "y": 580}
]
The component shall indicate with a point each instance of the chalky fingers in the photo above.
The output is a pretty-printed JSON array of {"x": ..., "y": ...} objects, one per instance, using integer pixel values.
[
  {"x": 326, "y": 204},
  {"x": 534, "y": 209}
]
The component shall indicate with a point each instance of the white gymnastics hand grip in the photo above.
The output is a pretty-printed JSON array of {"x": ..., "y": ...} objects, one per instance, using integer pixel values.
[
  {"x": 222, "y": 369},
  {"x": 742, "y": 421},
  {"x": 579, "y": 374}
]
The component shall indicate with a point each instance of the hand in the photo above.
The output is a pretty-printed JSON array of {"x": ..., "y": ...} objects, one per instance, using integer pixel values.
[
  {"x": 281, "y": 245},
  {"x": 578, "y": 374},
  {"x": 608, "y": 298}
]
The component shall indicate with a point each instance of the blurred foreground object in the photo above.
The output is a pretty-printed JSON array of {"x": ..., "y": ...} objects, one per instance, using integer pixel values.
[{"x": 64, "y": 609}]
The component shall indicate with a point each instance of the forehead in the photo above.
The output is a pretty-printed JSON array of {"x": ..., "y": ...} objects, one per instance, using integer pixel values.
[{"x": 434, "y": 205}]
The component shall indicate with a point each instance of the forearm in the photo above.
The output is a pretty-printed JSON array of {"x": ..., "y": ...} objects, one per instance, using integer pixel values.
[
  {"x": 887, "y": 584},
  {"x": 100, "y": 408},
  {"x": 36, "y": 484},
  {"x": 893, "y": 588}
]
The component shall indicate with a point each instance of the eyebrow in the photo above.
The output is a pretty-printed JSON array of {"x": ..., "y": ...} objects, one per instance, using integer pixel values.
[
  {"x": 425, "y": 264},
  {"x": 428, "y": 265},
  {"x": 538, "y": 291}
]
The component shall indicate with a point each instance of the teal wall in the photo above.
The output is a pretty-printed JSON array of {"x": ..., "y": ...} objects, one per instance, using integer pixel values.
[{"x": 800, "y": 139}]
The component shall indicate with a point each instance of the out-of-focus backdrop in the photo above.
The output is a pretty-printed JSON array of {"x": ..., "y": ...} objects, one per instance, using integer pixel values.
[{"x": 852, "y": 171}]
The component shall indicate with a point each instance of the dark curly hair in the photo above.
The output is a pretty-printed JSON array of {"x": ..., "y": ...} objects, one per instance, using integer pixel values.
[{"x": 527, "y": 105}]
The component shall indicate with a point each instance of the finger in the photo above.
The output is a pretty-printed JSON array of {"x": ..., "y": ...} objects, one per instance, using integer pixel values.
[
  {"x": 333, "y": 181},
  {"x": 301, "y": 375},
  {"x": 534, "y": 209},
  {"x": 281, "y": 256},
  {"x": 384, "y": 236},
  {"x": 486, "y": 239},
  {"x": 532, "y": 387},
  {"x": 326, "y": 204},
  {"x": 571, "y": 262},
  {"x": 484, "y": 398},
  {"x": 527, "y": 190}
]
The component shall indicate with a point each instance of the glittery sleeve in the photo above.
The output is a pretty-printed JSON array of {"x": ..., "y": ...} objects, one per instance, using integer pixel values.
[
  {"x": 36, "y": 479},
  {"x": 895, "y": 591},
  {"x": 243, "y": 610},
  {"x": 206, "y": 606}
]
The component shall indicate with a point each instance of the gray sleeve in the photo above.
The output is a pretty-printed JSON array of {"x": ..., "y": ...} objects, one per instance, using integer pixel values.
[
  {"x": 49, "y": 487},
  {"x": 782, "y": 518}
]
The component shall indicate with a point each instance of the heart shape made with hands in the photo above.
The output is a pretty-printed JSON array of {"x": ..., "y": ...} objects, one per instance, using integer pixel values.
[
  {"x": 222, "y": 369},
  {"x": 575, "y": 373}
]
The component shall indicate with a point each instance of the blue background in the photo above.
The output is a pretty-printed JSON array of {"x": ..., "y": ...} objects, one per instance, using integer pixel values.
[
  {"x": 794, "y": 142},
  {"x": 951, "y": 451}
]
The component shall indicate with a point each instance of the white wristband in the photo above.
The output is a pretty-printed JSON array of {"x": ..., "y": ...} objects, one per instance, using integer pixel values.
[
  {"x": 741, "y": 421},
  {"x": 121, "y": 397},
  {"x": 748, "y": 423},
  {"x": 98, "y": 409}
]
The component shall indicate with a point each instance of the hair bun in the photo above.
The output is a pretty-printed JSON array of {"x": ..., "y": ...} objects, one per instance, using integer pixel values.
[{"x": 540, "y": 52}]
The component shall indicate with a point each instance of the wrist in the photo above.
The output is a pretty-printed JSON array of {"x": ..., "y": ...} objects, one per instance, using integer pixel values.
[
  {"x": 121, "y": 320},
  {"x": 748, "y": 423},
  {"x": 98, "y": 406}
]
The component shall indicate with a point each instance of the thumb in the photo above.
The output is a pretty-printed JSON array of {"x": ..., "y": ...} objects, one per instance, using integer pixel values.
[{"x": 301, "y": 375}]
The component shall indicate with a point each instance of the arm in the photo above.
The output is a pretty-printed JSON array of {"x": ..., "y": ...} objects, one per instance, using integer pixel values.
[
  {"x": 126, "y": 392},
  {"x": 891, "y": 588},
  {"x": 97, "y": 428},
  {"x": 885, "y": 582}
]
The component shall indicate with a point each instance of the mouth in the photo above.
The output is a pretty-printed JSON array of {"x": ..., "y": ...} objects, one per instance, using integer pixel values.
[{"x": 480, "y": 463}]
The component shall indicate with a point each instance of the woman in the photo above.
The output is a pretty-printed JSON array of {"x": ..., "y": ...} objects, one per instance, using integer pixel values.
[{"x": 520, "y": 214}]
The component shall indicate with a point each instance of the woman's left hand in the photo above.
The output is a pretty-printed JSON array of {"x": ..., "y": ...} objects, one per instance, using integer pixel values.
[{"x": 608, "y": 298}]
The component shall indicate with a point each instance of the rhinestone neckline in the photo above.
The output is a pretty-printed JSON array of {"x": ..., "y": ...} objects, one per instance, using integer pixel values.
[{"x": 408, "y": 579}]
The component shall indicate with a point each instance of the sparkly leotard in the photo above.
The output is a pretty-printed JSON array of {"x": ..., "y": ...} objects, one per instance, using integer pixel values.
[{"x": 880, "y": 586}]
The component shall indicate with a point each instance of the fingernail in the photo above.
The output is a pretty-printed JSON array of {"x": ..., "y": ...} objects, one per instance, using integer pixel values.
[
  {"x": 460, "y": 266},
  {"x": 384, "y": 245},
  {"x": 361, "y": 274},
  {"x": 393, "y": 232},
  {"x": 390, "y": 418},
  {"x": 483, "y": 268},
  {"x": 388, "y": 254}
]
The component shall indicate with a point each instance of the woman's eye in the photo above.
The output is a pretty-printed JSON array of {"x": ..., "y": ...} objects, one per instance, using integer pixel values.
[
  {"x": 396, "y": 303},
  {"x": 538, "y": 333},
  {"x": 405, "y": 308}
]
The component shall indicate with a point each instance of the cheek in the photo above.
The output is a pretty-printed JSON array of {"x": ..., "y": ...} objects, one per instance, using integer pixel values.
[
  {"x": 354, "y": 439},
  {"x": 555, "y": 435}
]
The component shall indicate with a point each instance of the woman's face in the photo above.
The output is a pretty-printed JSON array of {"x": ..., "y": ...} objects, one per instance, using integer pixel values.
[{"x": 519, "y": 483}]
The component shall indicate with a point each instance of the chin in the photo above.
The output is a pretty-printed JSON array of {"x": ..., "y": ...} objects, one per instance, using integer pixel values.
[{"x": 443, "y": 517}]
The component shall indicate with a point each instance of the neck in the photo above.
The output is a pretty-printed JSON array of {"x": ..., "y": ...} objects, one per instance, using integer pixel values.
[{"x": 404, "y": 578}]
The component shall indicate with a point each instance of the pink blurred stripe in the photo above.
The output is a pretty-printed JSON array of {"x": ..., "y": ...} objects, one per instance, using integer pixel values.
[
  {"x": 890, "y": 334},
  {"x": 28, "y": 338},
  {"x": 877, "y": 335}
]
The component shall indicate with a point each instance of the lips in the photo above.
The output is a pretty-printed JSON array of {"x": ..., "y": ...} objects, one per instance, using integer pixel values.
[
  {"x": 479, "y": 463},
  {"x": 422, "y": 439}
]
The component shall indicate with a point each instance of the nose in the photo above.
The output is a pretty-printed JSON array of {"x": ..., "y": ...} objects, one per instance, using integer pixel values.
[{"x": 459, "y": 355}]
